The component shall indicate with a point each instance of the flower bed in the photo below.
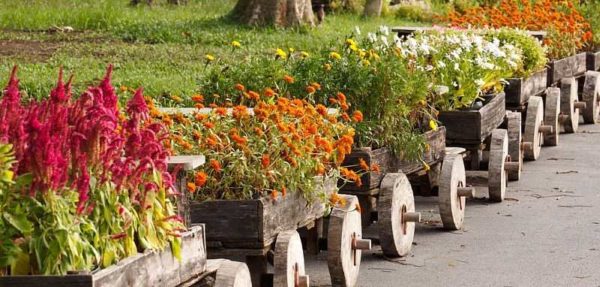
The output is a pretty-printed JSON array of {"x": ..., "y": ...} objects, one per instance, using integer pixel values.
[{"x": 90, "y": 183}]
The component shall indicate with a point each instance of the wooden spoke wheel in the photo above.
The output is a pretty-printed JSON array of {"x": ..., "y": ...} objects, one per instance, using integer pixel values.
[
  {"x": 345, "y": 243},
  {"x": 233, "y": 274},
  {"x": 289, "y": 261},
  {"x": 569, "y": 113},
  {"x": 497, "y": 170},
  {"x": 452, "y": 192},
  {"x": 532, "y": 140},
  {"x": 397, "y": 216},
  {"x": 515, "y": 138},
  {"x": 551, "y": 113},
  {"x": 591, "y": 88}
]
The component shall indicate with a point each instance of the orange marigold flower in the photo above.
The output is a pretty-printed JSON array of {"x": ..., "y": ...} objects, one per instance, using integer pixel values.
[
  {"x": 320, "y": 169},
  {"x": 357, "y": 116},
  {"x": 259, "y": 131},
  {"x": 253, "y": 95},
  {"x": 240, "y": 87},
  {"x": 288, "y": 79},
  {"x": 211, "y": 141},
  {"x": 208, "y": 125},
  {"x": 199, "y": 106},
  {"x": 240, "y": 112},
  {"x": 341, "y": 97},
  {"x": 221, "y": 111},
  {"x": 316, "y": 86},
  {"x": 321, "y": 109},
  {"x": 274, "y": 194},
  {"x": 363, "y": 164},
  {"x": 215, "y": 165},
  {"x": 336, "y": 200},
  {"x": 310, "y": 90},
  {"x": 344, "y": 106},
  {"x": 191, "y": 187},
  {"x": 333, "y": 101},
  {"x": 200, "y": 178},
  {"x": 265, "y": 161},
  {"x": 283, "y": 191},
  {"x": 239, "y": 139},
  {"x": 375, "y": 167},
  {"x": 269, "y": 93},
  {"x": 346, "y": 117},
  {"x": 198, "y": 98}
]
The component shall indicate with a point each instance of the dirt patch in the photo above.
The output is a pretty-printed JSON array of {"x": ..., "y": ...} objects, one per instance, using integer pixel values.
[{"x": 35, "y": 51}]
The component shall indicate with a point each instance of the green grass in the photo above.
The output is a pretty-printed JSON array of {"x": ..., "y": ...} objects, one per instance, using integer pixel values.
[{"x": 161, "y": 48}]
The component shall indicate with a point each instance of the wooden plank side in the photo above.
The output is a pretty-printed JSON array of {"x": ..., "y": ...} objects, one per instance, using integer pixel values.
[
  {"x": 41, "y": 280},
  {"x": 156, "y": 268},
  {"x": 566, "y": 67},
  {"x": 492, "y": 114},
  {"x": 593, "y": 61},
  {"x": 461, "y": 125},
  {"x": 436, "y": 141},
  {"x": 370, "y": 180},
  {"x": 519, "y": 90},
  {"x": 229, "y": 220},
  {"x": 291, "y": 212}
]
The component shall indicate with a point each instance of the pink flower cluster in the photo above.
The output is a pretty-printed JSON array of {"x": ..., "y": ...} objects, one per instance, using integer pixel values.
[{"x": 63, "y": 142}]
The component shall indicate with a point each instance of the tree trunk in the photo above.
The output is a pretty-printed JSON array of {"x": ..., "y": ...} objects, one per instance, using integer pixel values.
[
  {"x": 373, "y": 8},
  {"x": 283, "y": 13}
]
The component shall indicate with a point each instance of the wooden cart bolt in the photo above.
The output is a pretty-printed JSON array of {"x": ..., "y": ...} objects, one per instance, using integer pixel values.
[
  {"x": 580, "y": 105},
  {"x": 527, "y": 145},
  {"x": 511, "y": 166},
  {"x": 546, "y": 129},
  {"x": 468, "y": 192},
  {"x": 411, "y": 217},
  {"x": 361, "y": 244}
]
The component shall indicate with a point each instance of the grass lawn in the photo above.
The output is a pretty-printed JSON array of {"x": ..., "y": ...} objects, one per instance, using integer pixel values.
[{"x": 160, "y": 47}]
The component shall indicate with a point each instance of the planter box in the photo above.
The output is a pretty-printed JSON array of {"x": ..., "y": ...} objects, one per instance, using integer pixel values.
[
  {"x": 519, "y": 90},
  {"x": 567, "y": 67},
  {"x": 254, "y": 224},
  {"x": 148, "y": 269},
  {"x": 474, "y": 126},
  {"x": 593, "y": 61},
  {"x": 389, "y": 163}
]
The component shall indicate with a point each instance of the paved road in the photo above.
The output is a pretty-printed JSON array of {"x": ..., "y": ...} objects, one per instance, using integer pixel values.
[{"x": 547, "y": 232}]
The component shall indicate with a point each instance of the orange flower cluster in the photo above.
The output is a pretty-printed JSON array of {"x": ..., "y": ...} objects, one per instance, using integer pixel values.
[
  {"x": 264, "y": 149},
  {"x": 568, "y": 31}
]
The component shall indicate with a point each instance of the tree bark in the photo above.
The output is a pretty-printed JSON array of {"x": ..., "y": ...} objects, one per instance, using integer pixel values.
[
  {"x": 373, "y": 8},
  {"x": 282, "y": 13}
]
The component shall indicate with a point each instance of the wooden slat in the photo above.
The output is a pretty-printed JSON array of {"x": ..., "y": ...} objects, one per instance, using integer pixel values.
[
  {"x": 370, "y": 180},
  {"x": 437, "y": 146},
  {"x": 519, "y": 90},
  {"x": 593, "y": 61},
  {"x": 189, "y": 162},
  {"x": 566, "y": 67},
  {"x": 40, "y": 281},
  {"x": 472, "y": 126}
]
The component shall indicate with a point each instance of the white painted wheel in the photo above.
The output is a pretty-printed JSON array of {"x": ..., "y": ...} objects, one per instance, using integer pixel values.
[{"x": 289, "y": 261}]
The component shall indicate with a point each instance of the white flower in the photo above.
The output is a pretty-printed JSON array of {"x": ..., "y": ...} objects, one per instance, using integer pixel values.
[
  {"x": 385, "y": 30},
  {"x": 384, "y": 39},
  {"x": 479, "y": 82},
  {"x": 372, "y": 37},
  {"x": 456, "y": 67},
  {"x": 357, "y": 30},
  {"x": 441, "y": 90},
  {"x": 428, "y": 68},
  {"x": 455, "y": 84},
  {"x": 441, "y": 64}
]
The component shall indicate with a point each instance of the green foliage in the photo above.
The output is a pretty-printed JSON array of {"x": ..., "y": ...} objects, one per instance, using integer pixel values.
[
  {"x": 590, "y": 9},
  {"x": 534, "y": 54},
  {"x": 414, "y": 13}
]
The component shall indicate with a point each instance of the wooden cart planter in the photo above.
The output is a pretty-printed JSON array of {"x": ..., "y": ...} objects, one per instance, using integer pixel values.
[
  {"x": 572, "y": 66},
  {"x": 151, "y": 268},
  {"x": 387, "y": 196},
  {"x": 263, "y": 231},
  {"x": 477, "y": 131}
]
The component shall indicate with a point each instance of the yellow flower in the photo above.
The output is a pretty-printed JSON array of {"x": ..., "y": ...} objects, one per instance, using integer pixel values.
[
  {"x": 209, "y": 57},
  {"x": 280, "y": 54},
  {"x": 352, "y": 44},
  {"x": 362, "y": 53},
  {"x": 426, "y": 167},
  {"x": 7, "y": 176},
  {"x": 335, "y": 55},
  {"x": 304, "y": 54},
  {"x": 236, "y": 44},
  {"x": 327, "y": 67},
  {"x": 176, "y": 98},
  {"x": 292, "y": 50},
  {"x": 366, "y": 62},
  {"x": 433, "y": 125}
]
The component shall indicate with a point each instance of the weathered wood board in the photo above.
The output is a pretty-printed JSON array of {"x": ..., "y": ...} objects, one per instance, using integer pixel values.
[
  {"x": 474, "y": 126},
  {"x": 254, "y": 224},
  {"x": 519, "y": 90},
  {"x": 152, "y": 268},
  {"x": 567, "y": 67},
  {"x": 370, "y": 180},
  {"x": 593, "y": 61},
  {"x": 436, "y": 141}
]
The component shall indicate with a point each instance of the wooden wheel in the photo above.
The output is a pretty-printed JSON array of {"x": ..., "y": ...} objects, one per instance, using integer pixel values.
[
  {"x": 345, "y": 243},
  {"x": 233, "y": 274},
  {"x": 590, "y": 97},
  {"x": 515, "y": 138},
  {"x": 497, "y": 169},
  {"x": 551, "y": 116},
  {"x": 397, "y": 216},
  {"x": 452, "y": 192},
  {"x": 289, "y": 261},
  {"x": 569, "y": 113},
  {"x": 532, "y": 141}
]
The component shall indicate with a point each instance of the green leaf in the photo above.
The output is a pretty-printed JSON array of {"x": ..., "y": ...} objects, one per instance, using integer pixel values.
[
  {"x": 21, "y": 265},
  {"x": 20, "y": 222}
]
